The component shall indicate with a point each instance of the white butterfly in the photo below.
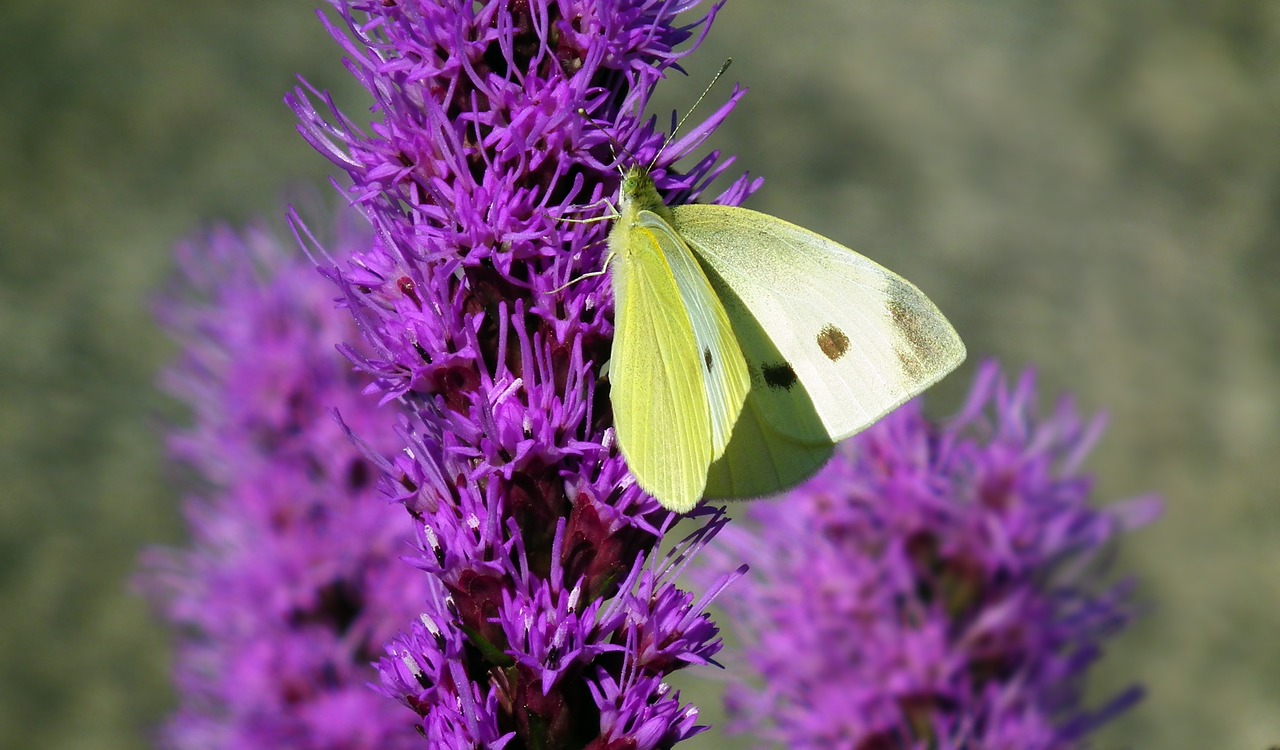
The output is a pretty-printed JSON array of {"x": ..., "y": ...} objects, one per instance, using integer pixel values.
[{"x": 745, "y": 347}]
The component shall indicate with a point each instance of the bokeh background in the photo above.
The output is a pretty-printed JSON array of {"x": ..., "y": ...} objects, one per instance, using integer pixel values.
[{"x": 1091, "y": 187}]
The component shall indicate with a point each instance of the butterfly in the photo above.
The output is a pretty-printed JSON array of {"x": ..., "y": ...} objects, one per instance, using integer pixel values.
[{"x": 746, "y": 347}]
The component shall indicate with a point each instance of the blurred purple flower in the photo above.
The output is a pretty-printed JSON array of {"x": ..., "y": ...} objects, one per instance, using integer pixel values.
[
  {"x": 935, "y": 587},
  {"x": 293, "y": 579},
  {"x": 552, "y": 618}
]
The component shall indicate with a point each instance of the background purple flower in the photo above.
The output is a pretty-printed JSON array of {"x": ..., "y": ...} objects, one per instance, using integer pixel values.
[
  {"x": 552, "y": 619},
  {"x": 1086, "y": 186},
  {"x": 293, "y": 579},
  {"x": 935, "y": 587}
]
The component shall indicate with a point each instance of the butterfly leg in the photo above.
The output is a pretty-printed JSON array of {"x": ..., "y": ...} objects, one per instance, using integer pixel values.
[{"x": 613, "y": 213}]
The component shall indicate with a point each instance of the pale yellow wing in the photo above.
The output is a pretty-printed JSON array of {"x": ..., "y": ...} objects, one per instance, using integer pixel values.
[
  {"x": 724, "y": 369},
  {"x": 760, "y": 461},
  {"x": 677, "y": 378},
  {"x": 853, "y": 340}
]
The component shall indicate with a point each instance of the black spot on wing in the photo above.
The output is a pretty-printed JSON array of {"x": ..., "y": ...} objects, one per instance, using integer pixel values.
[
  {"x": 706, "y": 358},
  {"x": 778, "y": 375},
  {"x": 833, "y": 342}
]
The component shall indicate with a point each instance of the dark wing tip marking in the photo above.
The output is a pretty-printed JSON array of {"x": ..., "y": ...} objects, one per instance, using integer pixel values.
[
  {"x": 919, "y": 330},
  {"x": 779, "y": 375},
  {"x": 706, "y": 358},
  {"x": 833, "y": 342}
]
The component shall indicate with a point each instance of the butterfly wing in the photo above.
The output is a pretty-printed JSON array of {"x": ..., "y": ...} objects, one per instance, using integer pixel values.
[
  {"x": 848, "y": 340},
  {"x": 760, "y": 461},
  {"x": 724, "y": 368},
  {"x": 678, "y": 377}
]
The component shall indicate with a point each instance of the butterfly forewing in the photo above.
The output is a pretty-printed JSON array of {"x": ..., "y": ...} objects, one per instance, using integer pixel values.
[{"x": 848, "y": 340}]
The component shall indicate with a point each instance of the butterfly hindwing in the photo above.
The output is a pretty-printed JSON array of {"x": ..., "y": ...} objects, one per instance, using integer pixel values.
[{"x": 760, "y": 461}]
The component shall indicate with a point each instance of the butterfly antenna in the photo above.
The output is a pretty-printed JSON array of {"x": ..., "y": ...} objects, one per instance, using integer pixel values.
[
  {"x": 696, "y": 102},
  {"x": 614, "y": 146}
]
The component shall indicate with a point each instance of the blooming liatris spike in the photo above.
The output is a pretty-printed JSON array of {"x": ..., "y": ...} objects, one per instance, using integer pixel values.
[
  {"x": 293, "y": 581},
  {"x": 552, "y": 618},
  {"x": 934, "y": 587}
]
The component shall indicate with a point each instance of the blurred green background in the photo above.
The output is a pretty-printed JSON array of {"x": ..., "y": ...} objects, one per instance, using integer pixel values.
[{"x": 1091, "y": 187}]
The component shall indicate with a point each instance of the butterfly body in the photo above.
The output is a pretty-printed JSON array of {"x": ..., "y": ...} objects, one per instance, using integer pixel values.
[{"x": 745, "y": 346}]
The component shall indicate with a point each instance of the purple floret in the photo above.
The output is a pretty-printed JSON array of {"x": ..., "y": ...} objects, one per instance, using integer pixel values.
[
  {"x": 937, "y": 586},
  {"x": 292, "y": 581},
  {"x": 495, "y": 122}
]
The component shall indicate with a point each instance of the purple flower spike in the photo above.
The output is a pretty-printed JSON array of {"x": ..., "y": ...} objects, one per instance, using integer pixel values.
[
  {"x": 293, "y": 582},
  {"x": 935, "y": 587},
  {"x": 552, "y": 618}
]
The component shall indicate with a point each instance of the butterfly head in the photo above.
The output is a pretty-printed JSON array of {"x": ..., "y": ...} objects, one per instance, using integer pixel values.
[{"x": 638, "y": 192}]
